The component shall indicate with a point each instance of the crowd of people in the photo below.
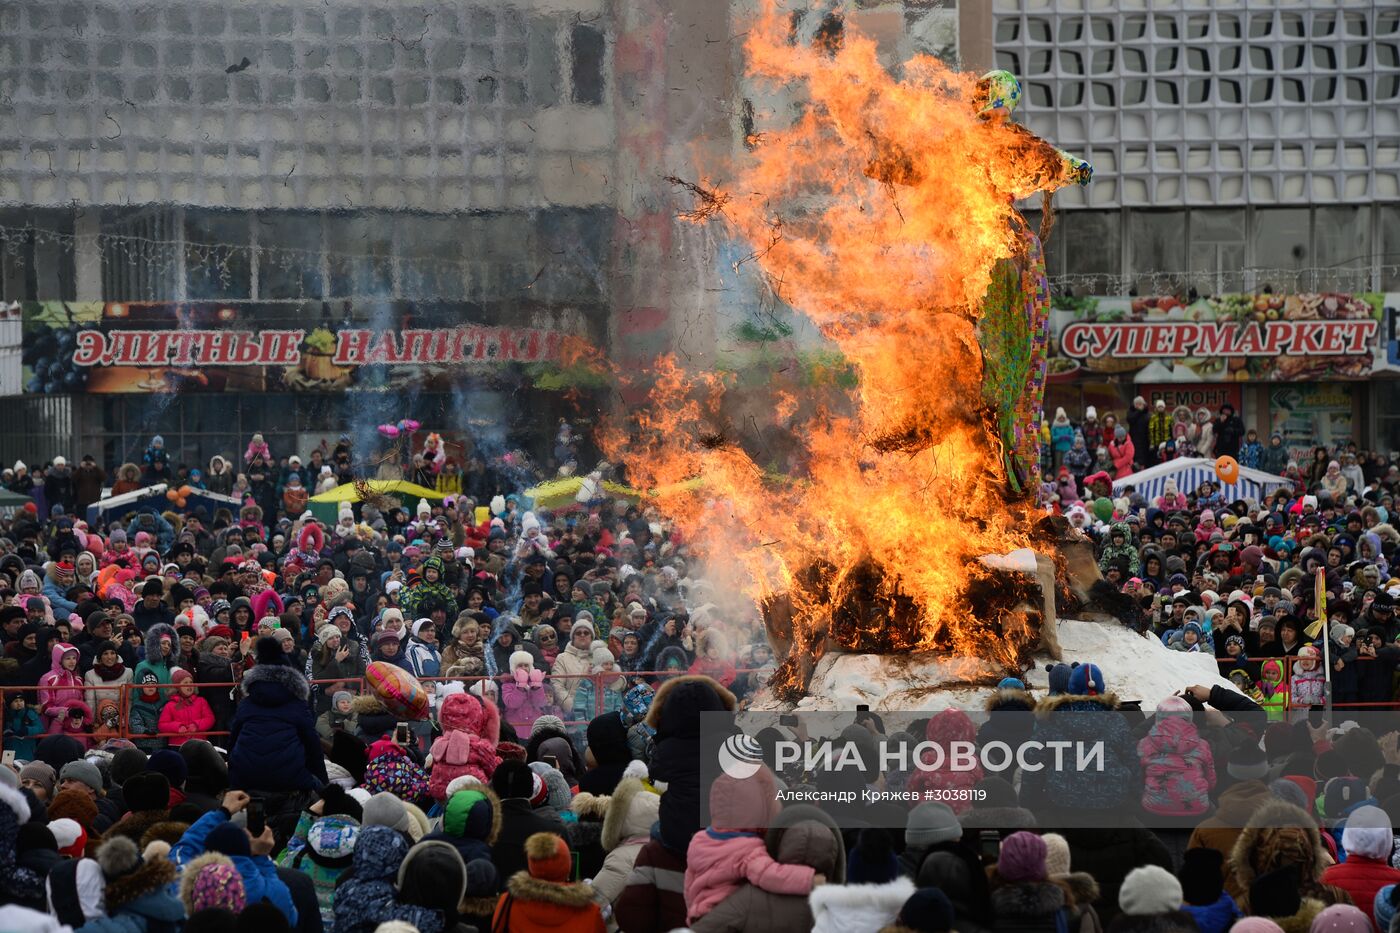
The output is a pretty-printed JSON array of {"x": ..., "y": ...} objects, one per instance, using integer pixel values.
[{"x": 191, "y": 743}]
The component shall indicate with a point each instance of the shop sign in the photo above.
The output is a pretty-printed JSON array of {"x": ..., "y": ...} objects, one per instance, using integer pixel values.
[
  {"x": 1230, "y": 338},
  {"x": 137, "y": 347}
]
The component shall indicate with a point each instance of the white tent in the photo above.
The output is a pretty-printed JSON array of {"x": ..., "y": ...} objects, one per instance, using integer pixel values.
[{"x": 1190, "y": 472}]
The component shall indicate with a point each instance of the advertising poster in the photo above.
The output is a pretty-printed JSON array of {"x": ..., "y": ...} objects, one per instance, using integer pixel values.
[
  {"x": 1226, "y": 338},
  {"x": 1310, "y": 415},
  {"x": 134, "y": 347}
]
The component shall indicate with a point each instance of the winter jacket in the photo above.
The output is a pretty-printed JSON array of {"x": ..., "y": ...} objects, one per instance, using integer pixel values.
[
  {"x": 654, "y": 899},
  {"x": 570, "y": 661},
  {"x": 19, "y": 729},
  {"x": 273, "y": 740},
  {"x": 471, "y": 732},
  {"x": 94, "y": 678},
  {"x": 533, "y": 905},
  {"x": 519, "y": 821},
  {"x": 322, "y": 848},
  {"x": 185, "y": 715},
  {"x": 525, "y": 704},
  {"x": 838, "y": 908},
  {"x": 424, "y": 660},
  {"x": 259, "y": 874},
  {"x": 1115, "y": 785},
  {"x": 367, "y": 897},
  {"x": 750, "y": 909},
  {"x": 1362, "y": 878},
  {"x": 1237, "y": 804},
  {"x": 1217, "y": 917},
  {"x": 943, "y": 730},
  {"x": 719, "y": 861},
  {"x": 632, "y": 809},
  {"x": 1029, "y": 907},
  {"x": 1275, "y": 690},
  {"x": 59, "y": 688},
  {"x": 1178, "y": 768},
  {"x": 1307, "y": 687},
  {"x": 143, "y": 718},
  {"x": 1122, "y": 455},
  {"x": 675, "y": 715},
  {"x": 1108, "y": 854},
  {"x": 140, "y": 902}
]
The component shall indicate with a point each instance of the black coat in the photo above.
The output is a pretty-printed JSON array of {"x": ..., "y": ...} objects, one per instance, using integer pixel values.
[
  {"x": 518, "y": 823},
  {"x": 275, "y": 746},
  {"x": 675, "y": 715},
  {"x": 216, "y": 670}
]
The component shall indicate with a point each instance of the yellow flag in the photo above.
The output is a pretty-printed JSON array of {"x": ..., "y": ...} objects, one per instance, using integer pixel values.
[{"x": 1320, "y": 601}]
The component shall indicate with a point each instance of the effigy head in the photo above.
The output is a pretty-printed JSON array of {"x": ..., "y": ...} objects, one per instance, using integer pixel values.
[{"x": 998, "y": 92}]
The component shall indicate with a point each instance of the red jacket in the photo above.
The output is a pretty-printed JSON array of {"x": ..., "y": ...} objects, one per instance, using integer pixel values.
[
  {"x": 1362, "y": 877},
  {"x": 186, "y": 715}
]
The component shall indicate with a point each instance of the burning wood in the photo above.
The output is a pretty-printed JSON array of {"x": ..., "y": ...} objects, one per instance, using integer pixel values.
[{"x": 904, "y": 485}]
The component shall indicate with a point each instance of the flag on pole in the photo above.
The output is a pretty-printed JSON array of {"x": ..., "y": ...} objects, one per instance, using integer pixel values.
[{"x": 1320, "y": 605}]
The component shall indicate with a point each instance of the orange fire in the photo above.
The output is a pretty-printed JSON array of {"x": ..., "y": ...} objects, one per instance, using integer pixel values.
[{"x": 879, "y": 213}]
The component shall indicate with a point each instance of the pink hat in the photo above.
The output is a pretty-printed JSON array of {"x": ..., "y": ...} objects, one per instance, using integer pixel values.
[
  {"x": 1022, "y": 857},
  {"x": 178, "y": 675},
  {"x": 218, "y": 884}
]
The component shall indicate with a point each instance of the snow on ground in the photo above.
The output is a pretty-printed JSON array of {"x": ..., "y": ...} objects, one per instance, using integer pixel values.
[{"x": 1134, "y": 667}]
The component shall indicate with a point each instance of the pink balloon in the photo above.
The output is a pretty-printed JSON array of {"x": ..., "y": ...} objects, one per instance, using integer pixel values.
[
  {"x": 388, "y": 430},
  {"x": 409, "y": 425}
]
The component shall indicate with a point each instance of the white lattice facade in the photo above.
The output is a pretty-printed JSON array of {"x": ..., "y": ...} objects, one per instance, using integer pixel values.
[
  {"x": 345, "y": 105},
  {"x": 1213, "y": 102}
]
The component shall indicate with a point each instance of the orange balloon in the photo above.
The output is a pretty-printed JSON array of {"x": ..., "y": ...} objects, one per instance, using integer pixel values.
[
  {"x": 172, "y": 494},
  {"x": 1227, "y": 470},
  {"x": 180, "y": 502},
  {"x": 185, "y": 490}
]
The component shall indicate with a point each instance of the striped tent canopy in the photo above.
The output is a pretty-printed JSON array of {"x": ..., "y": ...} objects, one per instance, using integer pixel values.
[{"x": 1190, "y": 472}]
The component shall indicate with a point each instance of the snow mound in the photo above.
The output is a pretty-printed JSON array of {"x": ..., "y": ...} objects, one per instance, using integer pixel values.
[{"x": 1134, "y": 667}]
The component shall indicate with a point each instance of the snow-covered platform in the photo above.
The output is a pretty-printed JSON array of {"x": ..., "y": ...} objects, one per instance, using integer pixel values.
[{"x": 1134, "y": 667}]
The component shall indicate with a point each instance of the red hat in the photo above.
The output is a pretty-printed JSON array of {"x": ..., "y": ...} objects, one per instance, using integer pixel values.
[
  {"x": 548, "y": 857},
  {"x": 539, "y": 791},
  {"x": 178, "y": 675},
  {"x": 223, "y": 631}
]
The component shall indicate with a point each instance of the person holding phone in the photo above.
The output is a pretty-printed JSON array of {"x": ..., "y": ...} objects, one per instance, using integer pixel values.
[{"x": 250, "y": 852}]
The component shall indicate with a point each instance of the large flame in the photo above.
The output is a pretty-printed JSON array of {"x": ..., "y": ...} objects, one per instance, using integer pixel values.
[{"x": 880, "y": 213}]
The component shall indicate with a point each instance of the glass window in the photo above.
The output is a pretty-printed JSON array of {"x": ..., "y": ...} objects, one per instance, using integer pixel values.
[
  {"x": 1217, "y": 250},
  {"x": 289, "y": 257},
  {"x": 1156, "y": 243},
  {"x": 360, "y": 251},
  {"x": 1090, "y": 242},
  {"x": 34, "y": 266},
  {"x": 1279, "y": 247},
  {"x": 218, "y": 261},
  {"x": 1342, "y": 242},
  {"x": 1390, "y": 246},
  {"x": 430, "y": 251}
]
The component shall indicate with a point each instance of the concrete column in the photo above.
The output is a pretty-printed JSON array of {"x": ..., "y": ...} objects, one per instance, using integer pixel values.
[{"x": 87, "y": 257}]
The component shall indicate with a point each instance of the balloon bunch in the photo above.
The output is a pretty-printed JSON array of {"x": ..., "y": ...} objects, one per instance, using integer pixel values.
[
  {"x": 180, "y": 496},
  {"x": 405, "y": 427}
]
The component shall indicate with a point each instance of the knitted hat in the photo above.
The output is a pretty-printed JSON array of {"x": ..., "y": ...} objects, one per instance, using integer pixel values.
[
  {"x": 1149, "y": 890},
  {"x": 326, "y": 632},
  {"x": 1086, "y": 680},
  {"x": 385, "y": 809},
  {"x": 146, "y": 791},
  {"x": 178, "y": 675},
  {"x": 1059, "y": 678},
  {"x": 82, "y": 770},
  {"x": 40, "y": 773},
  {"x": 601, "y": 655},
  {"x": 928, "y": 910},
  {"x": 1340, "y": 794},
  {"x": 548, "y": 857},
  {"x": 1255, "y": 925},
  {"x": 1056, "y": 854},
  {"x": 1201, "y": 876},
  {"x": 1247, "y": 763},
  {"x": 1341, "y": 918},
  {"x": 339, "y": 695},
  {"x": 539, "y": 790},
  {"x": 519, "y": 659},
  {"x": 229, "y": 839},
  {"x": 546, "y": 722},
  {"x": 69, "y": 836},
  {"x": 216, "y": 884},
  {"x": 170, "y": 763},
  {"x": 931, "y": 823},
  {"x": 1022, "y": 857},
  {"x": 1011, "y": 683},
  {"x": 75, "y": 805},
  {"x": 1368, "y": 833},
  {"x": 872, "y": 859}
]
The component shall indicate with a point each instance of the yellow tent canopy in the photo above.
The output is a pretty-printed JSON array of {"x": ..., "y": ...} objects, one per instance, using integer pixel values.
[
  {"x": 562, "y": 493},
  {"x": 346, "y": 492}
]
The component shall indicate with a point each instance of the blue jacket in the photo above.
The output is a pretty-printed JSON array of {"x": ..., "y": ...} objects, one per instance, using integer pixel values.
[
  {"x": 259, "y": 874},
  {"x": 157, "y": 912},
  {"x": 1217, "y": 917},
  {"x": 62, "y": 607},
  {"x": 273, "y": 736},
  {"x": 424, "y": 660},
  {"x": 367, "y": 898}
]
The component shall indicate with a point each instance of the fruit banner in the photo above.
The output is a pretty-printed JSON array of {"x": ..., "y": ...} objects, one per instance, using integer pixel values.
[
  {"x": 133, "y": 347},
  {"x": 1224, "y": 338}
]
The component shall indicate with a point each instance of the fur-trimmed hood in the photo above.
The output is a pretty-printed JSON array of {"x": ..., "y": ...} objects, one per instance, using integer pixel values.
[
  {"x": 1009, "y": 699},
  {"x": 591, "y": 808},
  {"x": 1031, "y": 899},
  {"x": 128, "y": 877},
  {"x": 1075, "y": 703},
  {"x": 1277, "y": 835},
  {"x": 266, "y": 683},
  {"x": 631, "y": 811},
  {"x": 841, "y": 898},
  {"x": 367, "y": 703},
  {"x": 191, "y": 874},
  {"x": 153, "y": 636},
  {"x": 523, "y": 886},
  {"x": 689, "y": 686},
  {"x": 1080, "y": 887}
]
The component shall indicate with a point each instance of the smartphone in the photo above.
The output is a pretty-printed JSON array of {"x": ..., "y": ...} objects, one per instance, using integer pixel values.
[
  {"x": 257, "y": 820},
  {"x": 551, "y": 760},
  {"x": 8, "y": 758},
  {"x": 862, "y": 707},
  {"x": 787, "y": 719},
  {"x": 401, "y": 734},
  {"x": 989, "y": 844}
]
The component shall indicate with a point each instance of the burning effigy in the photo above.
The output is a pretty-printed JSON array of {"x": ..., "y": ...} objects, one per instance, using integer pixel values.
[{"x": 885, "y": 213}]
